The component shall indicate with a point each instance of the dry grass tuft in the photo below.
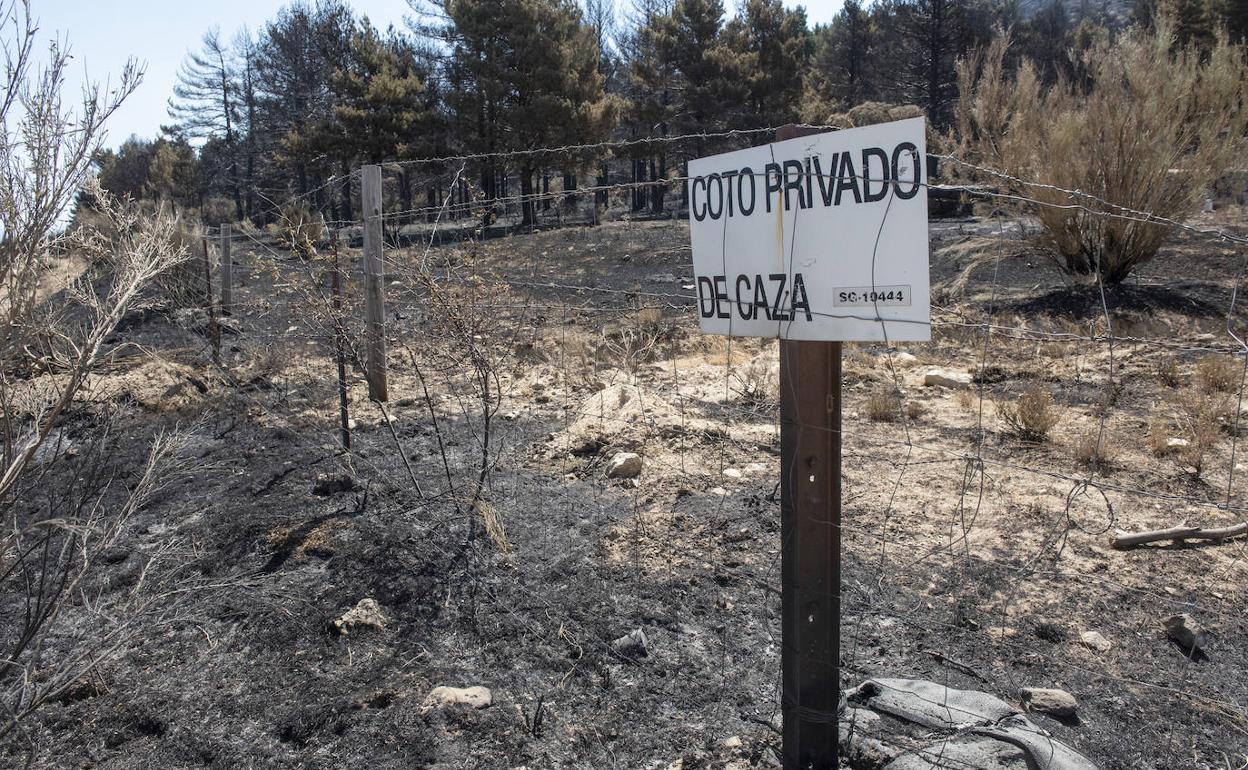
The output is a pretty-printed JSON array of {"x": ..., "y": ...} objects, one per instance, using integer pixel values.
[
  {"x": 300, "y": 230},
  {"x": 493, "y": 524},
  {"x": 965, "y": 400},
  {"x": 757, "y": 384},
  {"x": 1094, "y": 449},
  {"x": 1193, "y": 432},
  {"x": 1159, "y": 438},
  {"x": 884, "y": 405},
  {"x": 1168, "y": 373},
  {"x": 1032, "y": 416},
  {"x": 1217, "y": 374},
  {"x": 1200, "y": 419}
]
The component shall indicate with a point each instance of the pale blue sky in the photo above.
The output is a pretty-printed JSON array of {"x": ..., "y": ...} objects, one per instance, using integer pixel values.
[{"x": 102, "y": 34}]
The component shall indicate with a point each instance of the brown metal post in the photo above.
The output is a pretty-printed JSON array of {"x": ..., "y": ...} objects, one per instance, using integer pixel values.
[{"x": 810, "y": 531}]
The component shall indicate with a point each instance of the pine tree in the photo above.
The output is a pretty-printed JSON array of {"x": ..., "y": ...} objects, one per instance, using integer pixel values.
[
  {"x": 379, "y": 105},
  {"x": 249, "y": 115},
  {"x": 527, "y": 72},
  {"x": 1044, "y": 39},
  {"x": 650, "y": 89},
  {"x": 1232, "y": 15},
  {"x": 772, "y": 49},
  {"x": 205, "y": 106},
  {"x": 297, "y": 56},
  {"x": 925, "y": 39},
  {"x": 692, "y": 45},
  {"x": 1193, "y": 25},
  {"x": 840, "y": 76}
]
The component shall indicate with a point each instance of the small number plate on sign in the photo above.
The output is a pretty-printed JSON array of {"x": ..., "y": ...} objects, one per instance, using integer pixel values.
[{"x": 870, "y": 296}]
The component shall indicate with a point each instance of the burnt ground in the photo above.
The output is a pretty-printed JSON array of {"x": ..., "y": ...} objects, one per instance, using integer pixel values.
[{"x": 970, "y": 557}]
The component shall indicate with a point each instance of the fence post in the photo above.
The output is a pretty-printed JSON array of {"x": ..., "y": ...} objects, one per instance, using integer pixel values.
[
  {"x": 227, "y": 272},
  {"x": 344, "y": 415},
  {"x": 214, "y": 330},
  {"x": 374, "y": 276},
  {"x": 810, "y": 555}
]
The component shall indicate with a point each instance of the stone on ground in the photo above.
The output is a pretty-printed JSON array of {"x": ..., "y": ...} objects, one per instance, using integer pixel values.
[
  {"x": 1095, "y": 641},
  {"x": 365, "y": 614},
  {"x": 1052, "y": 702},
  {"x": 961, "y": 728},
  {"x": 946, "y": 379},
  {"x": 448, "y": 697},
  {"x": 634, "y": 644},
  {"x": 1186, "y": 632},
  {"x": 624, "y": 465}
]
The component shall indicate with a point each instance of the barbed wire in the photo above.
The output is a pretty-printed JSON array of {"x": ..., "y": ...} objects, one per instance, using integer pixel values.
[{"x": 711, "y": 426}]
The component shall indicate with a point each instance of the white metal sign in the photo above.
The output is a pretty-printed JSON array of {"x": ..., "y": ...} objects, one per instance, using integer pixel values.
[{"x": 822, "y": 237}]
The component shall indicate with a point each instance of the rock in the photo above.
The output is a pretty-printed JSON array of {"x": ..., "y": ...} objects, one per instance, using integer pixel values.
[
  {"x": 1051, "y": 702},
  {"x": 1176, "y": 443},
  {"x": 365, "y": 614},
  {"x": 634, "y": 644},
  {"x": 449, "y": 697},
  {"x": 732, "y": 473},
  {"x": 1184, "y": 631},
  {"x": 1093, "y": 640},
  {"x": 946, "y": 379},
  {"x": 731, "y": 744},
  {"x": 624, "y": 465},
  {"x": 903, "y": 359}
]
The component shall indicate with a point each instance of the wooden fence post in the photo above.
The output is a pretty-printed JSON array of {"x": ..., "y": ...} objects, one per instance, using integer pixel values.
[
  {"x": 374, "y": 277},
  {"x": 227, "y": 272},
  {"x": 214, "y": 330}
]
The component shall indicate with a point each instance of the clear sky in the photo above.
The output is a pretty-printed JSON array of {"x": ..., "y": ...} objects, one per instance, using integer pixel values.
[{"x": 102, "y": 34}]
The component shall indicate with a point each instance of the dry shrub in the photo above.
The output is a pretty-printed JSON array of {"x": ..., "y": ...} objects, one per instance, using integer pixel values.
[
  {"x": 637, "y": 340},
  {"x": 1159, "y": 438},
  {"x": 757, "y": 385},
  {"x": 1193, "y": 431},
  {"x": 60, "y": 512},
  {"x": 300, "y": 229},
  {"x": 1149, "y": 128},
  {"x": 1200, "y": 419},
  {"x": 1032, "y": 416},
  {"x": 884, "y": 405},
  {"x": 216, "y": 211},
  {"x": 965, "y": 400},
  {"x": 184, "y": 284},
  {"x": 1094, "y": 449},
  {"x": 1168, "y": 373},
  {"x": 1217, "y": 374}
]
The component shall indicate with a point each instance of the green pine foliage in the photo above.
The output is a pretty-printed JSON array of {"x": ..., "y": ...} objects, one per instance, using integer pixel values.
[{"x": 320, "y": 90}]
